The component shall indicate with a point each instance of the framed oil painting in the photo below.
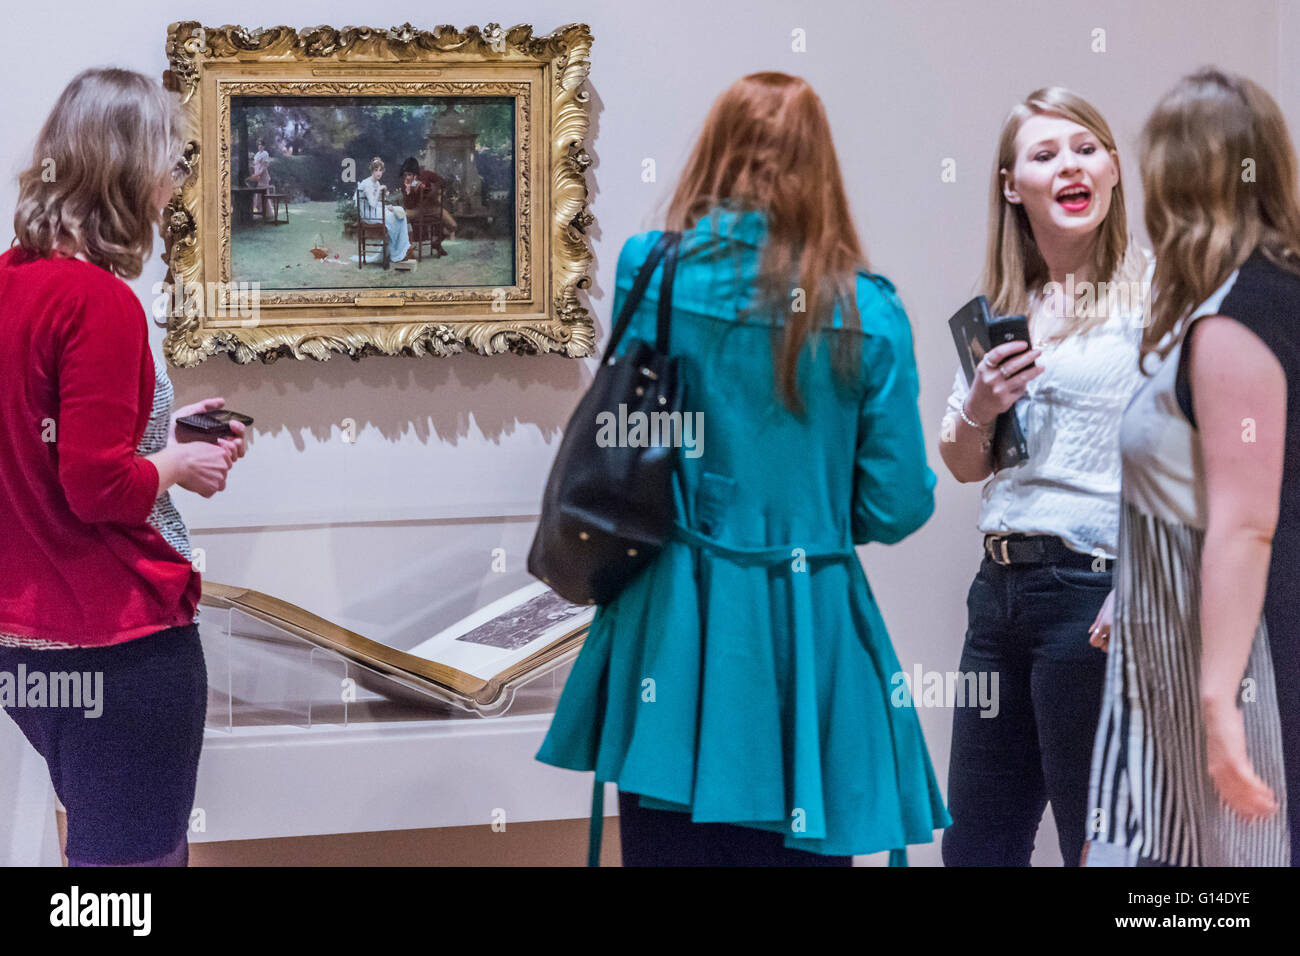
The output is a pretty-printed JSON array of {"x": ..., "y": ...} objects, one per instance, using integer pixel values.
[{"x": 378, "y": 192}]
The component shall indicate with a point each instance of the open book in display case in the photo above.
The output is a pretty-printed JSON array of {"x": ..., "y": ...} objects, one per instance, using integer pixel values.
[{"x": 272, "y": 662}]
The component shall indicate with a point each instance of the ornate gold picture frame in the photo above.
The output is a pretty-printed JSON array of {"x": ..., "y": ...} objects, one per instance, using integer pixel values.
[{"x": 460, "y": 225}]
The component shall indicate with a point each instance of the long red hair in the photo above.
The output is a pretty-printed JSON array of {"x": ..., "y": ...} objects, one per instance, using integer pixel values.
[{"x": 766, "y": 145}]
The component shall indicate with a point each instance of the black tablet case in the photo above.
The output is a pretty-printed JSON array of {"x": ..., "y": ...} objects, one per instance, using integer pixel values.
[{"x": 970, "y": 331}]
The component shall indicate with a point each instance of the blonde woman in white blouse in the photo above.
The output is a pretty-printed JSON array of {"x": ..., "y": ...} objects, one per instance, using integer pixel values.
[{"x": 1058, "y": 230}]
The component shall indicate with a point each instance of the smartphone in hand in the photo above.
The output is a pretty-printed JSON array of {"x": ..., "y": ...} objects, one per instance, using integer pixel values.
[
  {"x": 1008, "y": 328},
  {"x": 209, "y": 426}
]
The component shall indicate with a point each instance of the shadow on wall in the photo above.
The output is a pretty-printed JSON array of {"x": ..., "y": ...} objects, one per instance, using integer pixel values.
[{"x": 436, "y": 398}]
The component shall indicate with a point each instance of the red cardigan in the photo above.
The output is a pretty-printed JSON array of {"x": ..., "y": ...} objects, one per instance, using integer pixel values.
[{"x": 79, "y": 563}]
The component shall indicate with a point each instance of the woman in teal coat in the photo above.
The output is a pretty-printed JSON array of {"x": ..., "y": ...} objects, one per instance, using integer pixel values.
[{"x": 745, "y": 679}]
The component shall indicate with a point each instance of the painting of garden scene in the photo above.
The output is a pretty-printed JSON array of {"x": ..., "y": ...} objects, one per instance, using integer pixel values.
[{"x": 370, "y": 191}]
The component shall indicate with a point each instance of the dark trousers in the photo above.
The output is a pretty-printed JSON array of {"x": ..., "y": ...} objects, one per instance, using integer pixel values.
[
  {"x": 1028, "y": 623},
  {"x": 669, "y": 838}
]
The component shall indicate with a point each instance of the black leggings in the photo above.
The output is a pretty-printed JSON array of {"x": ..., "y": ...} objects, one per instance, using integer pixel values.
[{"x": 669, "y": 838}]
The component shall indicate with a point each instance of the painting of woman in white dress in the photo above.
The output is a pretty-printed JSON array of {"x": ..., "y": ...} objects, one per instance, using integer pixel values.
[
  {"x": 371, "y": 190},
  {"x": 261, "y": 177}
]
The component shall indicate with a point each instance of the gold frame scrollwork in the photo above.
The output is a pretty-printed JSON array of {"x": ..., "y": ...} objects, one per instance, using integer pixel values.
[{"x": 541, "y": 312}]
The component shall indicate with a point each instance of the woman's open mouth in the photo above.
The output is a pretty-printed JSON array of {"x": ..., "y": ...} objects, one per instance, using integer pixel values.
[{"x": 1074, "y": 198}]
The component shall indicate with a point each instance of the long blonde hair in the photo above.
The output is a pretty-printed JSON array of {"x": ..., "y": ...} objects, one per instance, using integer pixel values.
[
  {"x": 1014, "y": 269},
  {"x": 112, "y": 137},
  {"x": 766, "y": 145},
  {"x": 1219, "y": 173}
]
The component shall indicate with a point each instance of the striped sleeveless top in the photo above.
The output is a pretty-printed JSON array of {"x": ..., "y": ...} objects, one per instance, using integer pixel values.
[{"x": 1151, "y": 798}]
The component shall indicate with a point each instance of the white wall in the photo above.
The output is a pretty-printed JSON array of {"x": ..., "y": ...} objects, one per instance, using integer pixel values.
[{"x": 906, "y": 84}]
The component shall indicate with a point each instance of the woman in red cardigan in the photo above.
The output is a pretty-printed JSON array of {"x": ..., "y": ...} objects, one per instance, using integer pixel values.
[{"x": 100, "y": 662}]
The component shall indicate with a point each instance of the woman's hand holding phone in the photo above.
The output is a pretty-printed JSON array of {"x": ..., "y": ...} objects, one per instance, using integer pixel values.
[
  {"x": 202, "y": 465},
  {"x": 1001, "y": 379},
  {"x": 235, "y": 442}
]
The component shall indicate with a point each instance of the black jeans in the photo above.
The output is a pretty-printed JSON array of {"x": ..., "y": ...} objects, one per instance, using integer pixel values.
[{"x": 1028, "y": 623}]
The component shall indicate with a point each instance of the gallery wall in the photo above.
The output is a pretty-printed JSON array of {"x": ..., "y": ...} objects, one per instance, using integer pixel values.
[{"x": 395, "y": 535}]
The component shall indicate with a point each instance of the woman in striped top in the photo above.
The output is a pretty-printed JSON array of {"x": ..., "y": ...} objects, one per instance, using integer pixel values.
[{"x": 1199, "y": 741}]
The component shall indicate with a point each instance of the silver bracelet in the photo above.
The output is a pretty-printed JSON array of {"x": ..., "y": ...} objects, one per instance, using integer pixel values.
[{"x": 961, "y": 410}]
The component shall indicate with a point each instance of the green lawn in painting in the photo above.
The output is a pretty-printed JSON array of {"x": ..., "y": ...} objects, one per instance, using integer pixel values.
[{"x": 280, "y": 257}]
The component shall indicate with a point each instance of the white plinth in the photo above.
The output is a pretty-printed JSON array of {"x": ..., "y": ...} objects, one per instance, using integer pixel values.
[{"x": 259, "y": 782}]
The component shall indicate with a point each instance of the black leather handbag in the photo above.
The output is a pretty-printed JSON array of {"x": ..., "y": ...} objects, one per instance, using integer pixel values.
[{"x": 608, "y": 506}]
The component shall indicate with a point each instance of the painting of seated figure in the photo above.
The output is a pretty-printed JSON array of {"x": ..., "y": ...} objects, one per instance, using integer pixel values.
[
  {"x": 343, "y": 191},
  {"x": 378, "y": 192}
]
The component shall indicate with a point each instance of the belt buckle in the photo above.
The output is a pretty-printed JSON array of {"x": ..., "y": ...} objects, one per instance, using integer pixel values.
[{"x": 993, "y": 549}]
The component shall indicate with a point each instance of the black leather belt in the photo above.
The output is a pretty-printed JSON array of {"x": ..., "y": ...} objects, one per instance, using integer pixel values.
[{"x": 1017, "y": 548}]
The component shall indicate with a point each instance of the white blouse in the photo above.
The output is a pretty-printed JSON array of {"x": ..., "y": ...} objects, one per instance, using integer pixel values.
[{"x": 1070, "y": 415}]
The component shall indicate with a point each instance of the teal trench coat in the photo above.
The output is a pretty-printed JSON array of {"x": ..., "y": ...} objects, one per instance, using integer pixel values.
[{"x": 745, "y": 676}]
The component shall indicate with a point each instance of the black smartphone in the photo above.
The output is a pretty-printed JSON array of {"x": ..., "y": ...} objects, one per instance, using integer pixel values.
[
  {"x": 213, "y": 424},
  {"x": 1008, "y": 328}
]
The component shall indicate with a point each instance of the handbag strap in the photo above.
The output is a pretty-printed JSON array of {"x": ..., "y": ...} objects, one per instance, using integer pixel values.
[
  {"x": 666, "y": 296},
  {"x": 664, "y": 245}
]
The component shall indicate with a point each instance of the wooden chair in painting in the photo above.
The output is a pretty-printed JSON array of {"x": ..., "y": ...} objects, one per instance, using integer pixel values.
[
  {"x": 427, "y": 226},
  {"x": 371, "y": 230}
]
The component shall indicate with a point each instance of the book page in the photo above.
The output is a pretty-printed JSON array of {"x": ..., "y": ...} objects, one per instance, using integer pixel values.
[{"x": 505, "y": 632}]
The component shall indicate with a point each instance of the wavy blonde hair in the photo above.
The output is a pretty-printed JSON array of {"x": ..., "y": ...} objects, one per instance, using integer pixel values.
[
  {"x": 111, "y": 139},
  {"x": 1204, "y": 214},
  {"x": 1015, "y": 273}
]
